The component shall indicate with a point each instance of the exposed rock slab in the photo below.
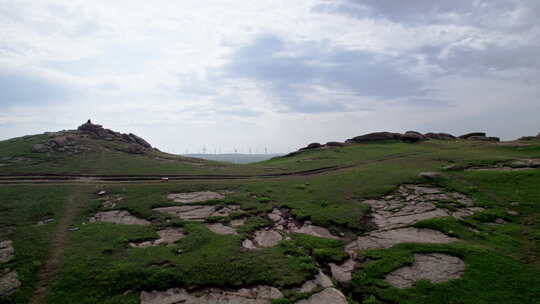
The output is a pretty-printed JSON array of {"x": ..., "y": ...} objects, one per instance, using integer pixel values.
[
  {"x": 327, "y": 296},
  {"x": 314, "y": 231},
  {"x": 238, "y": 223},
  {"x": 166, "y": 237},
  {"x": 412, "y": 203},
  {"x": 9, "y": 283},
  {"x": 434, "y": 267},
  {"x": 195, "y": 197},
  {"x": 118, "y": 217},
  {"x": 256, "y": 295},
  {"x": 389, "y": 238},
  {"x": 343, "y": 272},
  {"x": 263, "y": 239},
  {"x": 197, "y": 212},
  {"x": 221, "y": 229},
  {"x": 321, "y": 280},
  {"x": 6, "y": 251}
]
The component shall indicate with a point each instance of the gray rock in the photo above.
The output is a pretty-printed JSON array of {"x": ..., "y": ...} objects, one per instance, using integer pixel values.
[
  {"x": 343, "y": 273},
  {"x": 197, "y": 212},
  {"x": 335, "y": 144},
  {"x": 314, "y": 231},
  {"x": 440, "y": 136},
  {"x": 412, "y": 137},
  {"x": 387, "y": 239},
  {"x": 469, "y": 135},
  {"x": 219, "y": 228},
  {"x": 321, "y": 280},
  {"x": 195, "y": 197},
  {"x": 166, "y": 237},
  {"x": 41, "y": 148},
  {"x": 266, "y": 239},
  {"x": 9, "y": 283},
  {"x": 256, "y": 295},
  {"x": 434, "y": 267},
  {"x": 327, "y": 296},
  {"x": 312, "y": 146},
  {"x": 375, "y": 137},
  {"x": 6, "y": 251},
  {"x": 118, "y": 217},
  {"x": 430, "y": 175}
]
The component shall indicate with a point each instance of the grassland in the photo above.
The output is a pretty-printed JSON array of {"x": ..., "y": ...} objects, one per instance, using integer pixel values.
[{"x": 98, "y": 266}]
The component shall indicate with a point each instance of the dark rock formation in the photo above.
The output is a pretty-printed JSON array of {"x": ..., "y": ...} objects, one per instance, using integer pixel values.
[
  {"x": 375, "y": 137},
  {"x": 76, "y": 141},
  {"x": 412, "y": 137},
  {"x": 312, "y": 146},
  {"x": 474, "y": 134},
  {"x": 334, "y": 144},
  {"x": 440, "y": 136},
  {"x": 484, "y": 138},
  {"x": 529, "y": 138}
]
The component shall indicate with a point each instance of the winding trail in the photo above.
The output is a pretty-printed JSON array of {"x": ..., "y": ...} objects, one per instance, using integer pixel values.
[{"x": 59, "y": 242}]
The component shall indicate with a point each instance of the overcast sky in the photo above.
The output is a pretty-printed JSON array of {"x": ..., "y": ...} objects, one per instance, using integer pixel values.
[{"x": 269, "y": 73}]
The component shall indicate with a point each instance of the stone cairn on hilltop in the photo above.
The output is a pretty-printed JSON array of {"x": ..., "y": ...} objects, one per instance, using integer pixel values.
[{"x": 74, "y": 140}]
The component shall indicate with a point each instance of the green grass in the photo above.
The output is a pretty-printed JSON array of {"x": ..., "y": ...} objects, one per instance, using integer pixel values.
[{"x": 98, "y": 266}]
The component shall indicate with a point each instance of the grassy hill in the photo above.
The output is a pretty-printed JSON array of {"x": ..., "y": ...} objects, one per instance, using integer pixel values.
[{"x": 61, "y": 256}]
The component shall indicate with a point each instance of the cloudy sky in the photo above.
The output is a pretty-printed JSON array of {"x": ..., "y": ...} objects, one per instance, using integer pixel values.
[{"x": 225, "y": 74}]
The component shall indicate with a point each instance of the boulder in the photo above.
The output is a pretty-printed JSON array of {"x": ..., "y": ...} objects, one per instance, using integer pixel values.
[
  {"x": 469, "y": 135},
  {"x": 433, "y": 267},
  {"x": 327, "y": 296},
  {"x": 430, "y": 175},
  {"x": 9, "y": 283},
  {"x": 312, "y": 146},
  {"x": 41, "y": 148},
  {"x": 440, "y": 136},
  {"x": 335, "y": 144},
  {"x": 484, "y": 138},
  {"x": 375, "y": 137},
  {"x": 412, "y": 137}
]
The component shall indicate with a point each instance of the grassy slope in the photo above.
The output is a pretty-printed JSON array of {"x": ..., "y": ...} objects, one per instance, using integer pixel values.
[{"x": 502, "y": 261}]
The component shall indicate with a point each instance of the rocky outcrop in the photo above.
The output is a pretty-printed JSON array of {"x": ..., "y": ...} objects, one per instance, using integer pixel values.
[
  {"x": 221, "y": 229},
  {"x": 312, "y": 146},
  {"x": 76, "y": 141},
  {"x": 433, "y": 267},
  {"x": 118, "y": 217},
  {"x": 327, "y": 296},
  {"x": 389, "y": 238},
  {"x": 484, "y": 138},
  {"x": 194, "y": 197},
  {"x": 198, "y": 212},
  {"x": 6, "y": 251},
  {"x": 9, "y": 283},
  {"x": 166, "y": 237},
  {"x": 440, "y": 136},
  {"x": 412, "y": 137},
  {"x": 375, "y": 137},
  {"x": 335, "y": 144},
  {"x": 469, "y": 135},
  {"x": 343, "y": 273},
  {"x": 321, "y": 280},
  {"x": 256, "y": 295}
]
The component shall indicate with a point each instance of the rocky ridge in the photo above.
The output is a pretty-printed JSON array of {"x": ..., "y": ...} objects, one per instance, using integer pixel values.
[{"x": 76, "y": 141}]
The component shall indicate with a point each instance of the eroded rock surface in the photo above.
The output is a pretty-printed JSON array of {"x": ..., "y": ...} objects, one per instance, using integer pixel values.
[
  {"x": 9, "y": 283},
  {"x": 327, "y": 296},
  {"x": 389, "y": 238},
  {"x": 413, "y": 203},
  {"x": 166, "y": 237},
  {"x": 343, "y": 272},
  {"x": 118, "y": 217},
  {"x": 321, "y": 280},
  {"x": 434, "y": 267},
  {"x": 314, "y": 230},
  {"x": 283, "y": 221},
  {"x": 6, "y": 251},
  {"x": 221, "y": 229},
  {"x": 198, "y": 212},
  {"x": 256, "y": 295},
  {"x": 195, "y": 197}
]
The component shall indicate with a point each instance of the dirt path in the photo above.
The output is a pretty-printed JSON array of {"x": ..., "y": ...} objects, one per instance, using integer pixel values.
[{"x": 59, "y": 243}]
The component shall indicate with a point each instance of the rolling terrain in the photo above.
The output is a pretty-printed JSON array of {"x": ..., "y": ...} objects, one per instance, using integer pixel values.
[{"x": 86, "y": 217}]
